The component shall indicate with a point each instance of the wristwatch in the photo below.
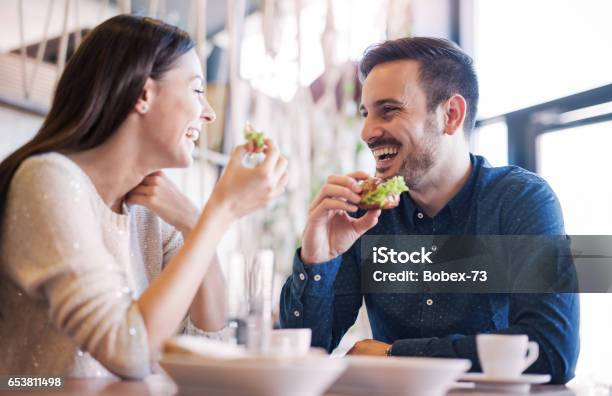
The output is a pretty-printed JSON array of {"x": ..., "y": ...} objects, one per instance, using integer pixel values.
[{"x": 388, "y": 350}]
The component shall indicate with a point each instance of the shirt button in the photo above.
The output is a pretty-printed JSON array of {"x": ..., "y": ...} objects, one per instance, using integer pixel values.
[
  {"x": 296, "y": 313},
  {"x": 317, "y": 277},
  {"x": 302, "y": 276},
  {"x": 420, "y": 215},
  {"x": 434, "y": 248},
  {"x": 428, "y": 302}
]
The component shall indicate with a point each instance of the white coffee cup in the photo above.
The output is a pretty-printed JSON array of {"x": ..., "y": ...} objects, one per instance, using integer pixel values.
[
  {"x": 293, "y": 342},
  {"x": 505, "y": 355}
]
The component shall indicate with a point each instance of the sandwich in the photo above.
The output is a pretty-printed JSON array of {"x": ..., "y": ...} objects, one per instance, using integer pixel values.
[
  {"x": 256, "y": 137},
  {"x": 380, "y": 194}
]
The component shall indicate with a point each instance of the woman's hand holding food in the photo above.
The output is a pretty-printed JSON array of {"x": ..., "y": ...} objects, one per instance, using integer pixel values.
[{"x": 242, "y": 190}]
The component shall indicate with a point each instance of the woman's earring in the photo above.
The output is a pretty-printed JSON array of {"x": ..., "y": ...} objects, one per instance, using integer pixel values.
[{"x": 144, "y": 108}]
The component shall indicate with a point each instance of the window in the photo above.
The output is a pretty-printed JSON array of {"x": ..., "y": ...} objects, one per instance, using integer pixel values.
[
  {"x": 528, "y": 52},
  {"x": 576, "y": 162},
  {"x": 491, "y": 141}
]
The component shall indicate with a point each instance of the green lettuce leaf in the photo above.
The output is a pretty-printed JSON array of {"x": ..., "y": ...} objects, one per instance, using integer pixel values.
[
  {"x": 394, "y": 186},
  {"x": 256, "y": 137}
]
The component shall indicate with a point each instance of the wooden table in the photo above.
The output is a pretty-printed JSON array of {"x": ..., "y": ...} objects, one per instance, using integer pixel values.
[{"x": 161, "y": 385}]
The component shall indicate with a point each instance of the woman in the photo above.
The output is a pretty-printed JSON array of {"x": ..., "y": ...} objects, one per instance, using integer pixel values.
[{"x": 89, "y": 222}]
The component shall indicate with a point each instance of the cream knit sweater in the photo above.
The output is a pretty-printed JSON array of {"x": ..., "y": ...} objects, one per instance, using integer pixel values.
[{"x": 71, "y": 270}]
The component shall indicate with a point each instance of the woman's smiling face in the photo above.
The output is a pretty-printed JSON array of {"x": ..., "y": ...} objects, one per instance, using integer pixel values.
[{"x": 178, "y": 107}]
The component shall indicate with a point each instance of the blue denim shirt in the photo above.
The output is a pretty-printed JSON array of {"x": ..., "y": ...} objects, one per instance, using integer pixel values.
[{"x": 508, "y": 200}]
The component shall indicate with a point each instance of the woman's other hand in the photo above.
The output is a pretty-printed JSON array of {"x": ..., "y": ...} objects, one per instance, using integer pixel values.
[{"x": 160, "y": 195}]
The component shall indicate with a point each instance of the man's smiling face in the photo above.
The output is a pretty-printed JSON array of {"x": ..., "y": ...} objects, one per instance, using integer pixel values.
[{"x": 402, "y": 133}]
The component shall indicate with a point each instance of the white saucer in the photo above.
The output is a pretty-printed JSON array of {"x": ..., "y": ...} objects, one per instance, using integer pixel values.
[
  {"x": 506, "y": 384},
  {"x": 489, "y": 379}
]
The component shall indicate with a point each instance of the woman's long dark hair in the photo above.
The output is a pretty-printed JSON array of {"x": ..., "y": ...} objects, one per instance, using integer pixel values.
[{"x": 99, "y": 87}]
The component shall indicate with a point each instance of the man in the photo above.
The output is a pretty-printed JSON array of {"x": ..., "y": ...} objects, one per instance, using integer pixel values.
[{"x": 419, "y": 100}]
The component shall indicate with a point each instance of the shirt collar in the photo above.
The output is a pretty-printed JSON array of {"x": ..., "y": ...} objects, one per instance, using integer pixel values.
[{"x": 459, "y": 205}]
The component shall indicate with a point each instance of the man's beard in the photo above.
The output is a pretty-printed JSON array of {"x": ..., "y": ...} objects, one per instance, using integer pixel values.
[{"x": 424, "y": 156}]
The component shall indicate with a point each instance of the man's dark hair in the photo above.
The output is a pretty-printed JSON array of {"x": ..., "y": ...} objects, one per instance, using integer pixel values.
[{"x": 445, "y": 69}]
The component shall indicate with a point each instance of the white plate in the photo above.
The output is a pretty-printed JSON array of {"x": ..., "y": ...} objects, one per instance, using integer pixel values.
[
  {"x": 272, "y": 376},
  {"x": 400, "y": 375},
  {"x": 505, "y": 384}
]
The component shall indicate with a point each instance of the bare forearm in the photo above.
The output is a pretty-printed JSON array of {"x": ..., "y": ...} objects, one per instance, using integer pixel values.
[
  {"x": 208, "y": 308},
  {"x": 186, "y": 224},
  {"x": 166, "y": 301}
]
